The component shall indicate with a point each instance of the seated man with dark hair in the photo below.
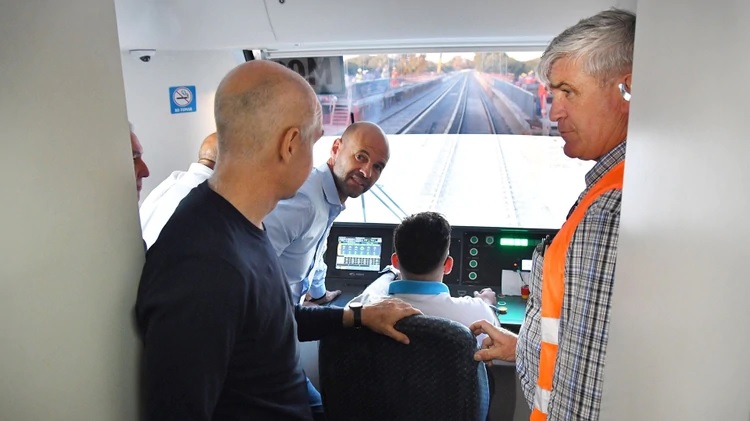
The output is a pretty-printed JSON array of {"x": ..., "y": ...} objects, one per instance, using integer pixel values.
[{"x": 421, "y": 243}]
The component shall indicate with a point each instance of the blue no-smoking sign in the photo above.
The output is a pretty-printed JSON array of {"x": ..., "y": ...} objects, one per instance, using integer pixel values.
[{"x": 182, "y": 99}]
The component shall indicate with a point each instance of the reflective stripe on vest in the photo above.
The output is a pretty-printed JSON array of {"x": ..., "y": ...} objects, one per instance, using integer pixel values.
[{"x": 553, "y": 288}]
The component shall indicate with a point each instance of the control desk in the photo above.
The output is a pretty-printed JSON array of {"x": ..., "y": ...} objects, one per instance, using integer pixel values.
[{"x": 496, "y": 258}]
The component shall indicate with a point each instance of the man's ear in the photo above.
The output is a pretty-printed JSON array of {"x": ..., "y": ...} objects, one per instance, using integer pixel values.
[
  {"x": 394, "y": 261},
  {"x": 290, "y": 142},
  {"x": 448, "y": 265},
  {"x": 628, "y": 81},
  {"x": 335, "y": 148}
]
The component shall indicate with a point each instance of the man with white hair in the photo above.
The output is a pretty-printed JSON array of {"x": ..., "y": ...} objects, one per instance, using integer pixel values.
[{"x": 561, "y": 348}]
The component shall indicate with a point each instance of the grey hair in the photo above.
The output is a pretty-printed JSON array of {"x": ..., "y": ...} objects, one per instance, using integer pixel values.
[{"x": 604, "y": 43}]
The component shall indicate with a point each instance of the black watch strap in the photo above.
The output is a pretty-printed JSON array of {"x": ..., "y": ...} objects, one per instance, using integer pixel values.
[{"x": 357, "y": 312}]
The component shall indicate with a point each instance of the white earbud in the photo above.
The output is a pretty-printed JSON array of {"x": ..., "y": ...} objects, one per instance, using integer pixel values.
[{"x": 624, "y": 92}]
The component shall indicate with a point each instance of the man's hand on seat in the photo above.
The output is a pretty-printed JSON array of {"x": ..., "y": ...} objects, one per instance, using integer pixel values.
[
  {"x": 325, "y": 299},
  {"x": 381, "y": 317}
]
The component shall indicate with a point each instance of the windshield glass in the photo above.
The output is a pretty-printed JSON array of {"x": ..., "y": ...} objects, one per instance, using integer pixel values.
[{"x": 470, "y": 138}]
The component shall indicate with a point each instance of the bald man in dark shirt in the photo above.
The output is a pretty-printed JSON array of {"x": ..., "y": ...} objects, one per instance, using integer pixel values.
[{"x": 214, "y": 310}]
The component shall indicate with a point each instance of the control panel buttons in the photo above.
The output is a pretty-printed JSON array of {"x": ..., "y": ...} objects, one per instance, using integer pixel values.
[
  {"x": 474, "y": 239},
  {"x": 473, "y": 263},
  {"x": 473, "y": 276},
  {"x": 490, "y": 240},
  {"x": 473, "y": 251}
]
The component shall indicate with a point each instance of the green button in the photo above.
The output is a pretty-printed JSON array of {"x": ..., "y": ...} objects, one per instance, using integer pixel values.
[
  {"x": 472, "y": 263},
  {"x": 489, "y": 240},
  {"x": 473, "y": 276},
  {"x": 473, "y": 251},
  {"x": 474, "y": 239}
]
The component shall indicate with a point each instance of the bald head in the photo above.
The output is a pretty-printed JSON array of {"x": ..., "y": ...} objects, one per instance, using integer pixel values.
[
  {"x": 259, "y": 100},
  {"x": 268, "y": 119},
  {"x": 358, "y": 158},
  {"x": 366, "y": 129},
  {"x": 209, "y": 150}
]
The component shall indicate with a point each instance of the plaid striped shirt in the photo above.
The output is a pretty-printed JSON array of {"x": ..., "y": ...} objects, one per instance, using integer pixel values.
[{"x": 584, "y": 322}]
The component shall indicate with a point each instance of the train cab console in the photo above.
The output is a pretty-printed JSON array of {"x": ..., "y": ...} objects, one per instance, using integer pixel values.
[{"x": 497, "y": 258}]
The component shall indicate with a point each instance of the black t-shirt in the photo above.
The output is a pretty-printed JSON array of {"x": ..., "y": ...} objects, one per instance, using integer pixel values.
[{"x": 217, "y": 321}]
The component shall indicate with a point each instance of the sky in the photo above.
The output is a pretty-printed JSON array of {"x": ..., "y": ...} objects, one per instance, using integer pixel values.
[
  {"x": 525, "y": 55},
  {"x": 517, "y": 55}
]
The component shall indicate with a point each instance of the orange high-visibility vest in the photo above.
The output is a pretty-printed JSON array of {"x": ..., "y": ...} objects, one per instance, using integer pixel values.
[{"x": 553, "y": 288}]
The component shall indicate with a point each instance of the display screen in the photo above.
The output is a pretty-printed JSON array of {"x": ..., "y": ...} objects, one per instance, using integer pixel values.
[
  {"x": 494, "y": 181},
  {"x": 469, "y": 137},
  {"x": 358, "y": 253},
  {"x": 526, "y": 265}
]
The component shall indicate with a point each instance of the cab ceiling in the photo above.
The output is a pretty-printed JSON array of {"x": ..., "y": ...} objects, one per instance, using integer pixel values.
[{"x": 315, "y": 26}]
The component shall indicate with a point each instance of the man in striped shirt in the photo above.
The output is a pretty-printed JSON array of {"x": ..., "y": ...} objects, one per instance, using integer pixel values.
[{"x": 560, "y": 352}]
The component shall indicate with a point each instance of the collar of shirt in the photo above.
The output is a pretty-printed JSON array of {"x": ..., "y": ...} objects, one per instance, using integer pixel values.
[
  {"x": 417, "y": 287},
  {"x": 198, "y": 168},
  {"x": 329, "y": 186},
  {"x": 605, "y": 163}
]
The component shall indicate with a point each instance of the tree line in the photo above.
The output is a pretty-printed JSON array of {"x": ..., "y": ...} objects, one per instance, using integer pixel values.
[{"x": 382, "y": 65}]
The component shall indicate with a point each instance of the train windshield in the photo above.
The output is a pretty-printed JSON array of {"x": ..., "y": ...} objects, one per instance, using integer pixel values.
[{"x": 470, "y": 138}]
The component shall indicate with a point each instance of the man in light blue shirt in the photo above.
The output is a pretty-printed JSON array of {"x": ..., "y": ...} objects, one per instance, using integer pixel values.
[
  {"x": 298, "y": 227},
  {"x": 422, "y": 245}
]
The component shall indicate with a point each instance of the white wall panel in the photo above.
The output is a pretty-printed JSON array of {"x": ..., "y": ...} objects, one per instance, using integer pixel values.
[
  {"x": 679, "y": 334},
  {"x": 192, "y": 24},
  {"x": 71, "y": 252},
  {"x": 171, "y": 141}
]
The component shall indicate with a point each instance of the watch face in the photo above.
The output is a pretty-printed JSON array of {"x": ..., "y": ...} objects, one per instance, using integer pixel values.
[{"x": 355, "y": 305}]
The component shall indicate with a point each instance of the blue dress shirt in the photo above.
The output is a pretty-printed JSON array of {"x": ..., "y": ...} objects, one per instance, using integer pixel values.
[{"x": 298, "y": 229}]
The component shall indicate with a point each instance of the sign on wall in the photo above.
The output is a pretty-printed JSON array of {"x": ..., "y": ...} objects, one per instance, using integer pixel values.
[
  {"x": 324, "y": 74},
  {"x": 182, "y": 99}
]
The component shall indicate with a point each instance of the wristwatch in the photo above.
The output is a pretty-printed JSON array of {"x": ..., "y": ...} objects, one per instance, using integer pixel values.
[{"x": 357, "y": 311}]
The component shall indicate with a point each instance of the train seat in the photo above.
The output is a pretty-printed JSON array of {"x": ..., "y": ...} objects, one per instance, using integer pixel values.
[{"x": 366, "y": 376}]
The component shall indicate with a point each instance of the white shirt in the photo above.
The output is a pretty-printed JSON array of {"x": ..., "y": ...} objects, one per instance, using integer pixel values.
[
  {"x": 433, "y": 299},
  {"x": 160, "y": 204}
]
